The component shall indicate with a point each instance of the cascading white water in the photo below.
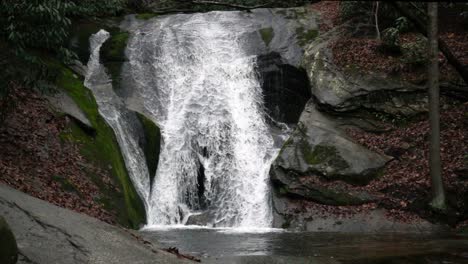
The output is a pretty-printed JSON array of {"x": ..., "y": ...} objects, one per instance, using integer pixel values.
[
  {"x": 195, "y": 76},
  {"x": 117, "y": 116},
  {"x": 212, "y": 117},
  {"x": 206, "y": 96}
]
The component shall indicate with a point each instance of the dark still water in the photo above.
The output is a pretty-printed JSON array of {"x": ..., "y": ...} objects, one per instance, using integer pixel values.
[{"x": 230, "y": 246}]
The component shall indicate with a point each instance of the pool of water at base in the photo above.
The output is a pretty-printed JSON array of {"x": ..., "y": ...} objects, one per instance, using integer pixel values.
[{"x": 278, "y": 246}]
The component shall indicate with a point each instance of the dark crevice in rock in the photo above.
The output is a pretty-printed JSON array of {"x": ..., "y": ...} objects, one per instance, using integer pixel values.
[
  {"x": 285, "y": 88},
  {"x": 201, "y": 186}
]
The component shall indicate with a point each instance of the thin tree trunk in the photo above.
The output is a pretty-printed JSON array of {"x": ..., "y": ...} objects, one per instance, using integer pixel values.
[
  {"x": 377, "y": 19},
  {"x": 438, "y": 194}
]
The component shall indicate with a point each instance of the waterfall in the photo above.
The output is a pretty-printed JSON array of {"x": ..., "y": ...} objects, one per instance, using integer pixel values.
[
  {"x": 113, "y": 110},
  {"x": 195, "y": 76}
]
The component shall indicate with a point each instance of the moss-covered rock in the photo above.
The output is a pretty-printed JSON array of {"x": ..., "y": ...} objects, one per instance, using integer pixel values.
[
  {"x": 102, "y": 150},
  {"x": 114, "y": 48},
  {"x": 317, "y": 147},
  {"x": 323, "y": 154},
  {"x": 267, "y": 35},
  {"x": 113, "y": 55},
  {"x": 8, "y": 247},
  {"x": 306, "y": 36},
  {"x": 151, "y": 147}
]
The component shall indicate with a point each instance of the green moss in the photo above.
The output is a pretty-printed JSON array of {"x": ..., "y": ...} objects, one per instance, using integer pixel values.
[
  {"x": 146, "y": 16},
  {"x": 114, "y": 48},
  {"x": 152, "y": 144},
  {"x": 102, "y": 149},
  {"x": 113, "y": 55},
  {"x": 306, "y": 36},
  {"x": 267, "y": 35},
  {"x": 323, "y": 155}
]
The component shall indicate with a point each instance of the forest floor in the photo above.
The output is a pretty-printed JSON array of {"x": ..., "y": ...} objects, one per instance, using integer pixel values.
[
  {"x": 36, "y": 160},
  {"x": 404, "y": 189}
]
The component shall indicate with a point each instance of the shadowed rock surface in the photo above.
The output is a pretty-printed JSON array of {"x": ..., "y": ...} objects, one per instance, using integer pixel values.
[{"x": 8, "y": 248}]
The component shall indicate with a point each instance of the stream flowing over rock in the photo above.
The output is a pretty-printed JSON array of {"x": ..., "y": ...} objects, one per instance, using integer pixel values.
[
  {"x": 231, "y": 93},
  {"x": 211, "y": 82}
]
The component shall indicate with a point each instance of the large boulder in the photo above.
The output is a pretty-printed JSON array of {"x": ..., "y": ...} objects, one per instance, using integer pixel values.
[
  {"x": 46, "y": 233},
  {"x": 348, "y": 89},
  {"x": 8, "y": 248},
  {"x": 318, "y": 148}
]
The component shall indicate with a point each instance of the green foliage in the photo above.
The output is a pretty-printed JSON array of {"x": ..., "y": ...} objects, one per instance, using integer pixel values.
[
  {"x": 35, "y": 24},
  {"x": 30, "y": 27},
  {"x": 98, "y": 8}
]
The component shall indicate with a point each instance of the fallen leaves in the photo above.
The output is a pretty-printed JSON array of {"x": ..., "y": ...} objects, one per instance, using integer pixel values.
[{"x": 34, "y": 159}]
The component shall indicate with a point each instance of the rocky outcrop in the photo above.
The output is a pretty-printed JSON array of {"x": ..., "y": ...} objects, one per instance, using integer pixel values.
[
  {"x": 318, "y": 148},
  {"x": 65, "y": 104},
  {"x": 344, "y": 90},
  {"x": 49, "y": 234},
  {"x": 8, "y": 248}
]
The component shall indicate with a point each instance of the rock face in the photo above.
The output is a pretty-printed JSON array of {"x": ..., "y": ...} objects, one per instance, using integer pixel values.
[
  {"x": 285, "y": 88},
  {"x": 318, "y": 148},
  {"x": 344, "y": 90},
  {"x": 8, "y": 248},
  {"x": 65, "y": 104},
  {"x": 49, "y": 234}
]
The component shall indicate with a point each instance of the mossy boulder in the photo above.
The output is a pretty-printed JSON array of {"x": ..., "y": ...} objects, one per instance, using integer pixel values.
[
  {"x": 8, "y": 247},
  {"x": 102, "y": 150},
  {"x": 113, "y": 55},
  {"x": 318, "y": 148},
  {"x": 345, "y": 89}
]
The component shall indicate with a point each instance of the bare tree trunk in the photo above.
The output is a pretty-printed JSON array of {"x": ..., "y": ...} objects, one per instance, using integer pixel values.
[
  {"x": 438, "y": 201},
  {"x": 377, "y": 19}
]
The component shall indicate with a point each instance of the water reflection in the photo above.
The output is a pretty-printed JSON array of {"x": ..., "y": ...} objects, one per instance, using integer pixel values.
[{"x": 232, "y": 246}]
